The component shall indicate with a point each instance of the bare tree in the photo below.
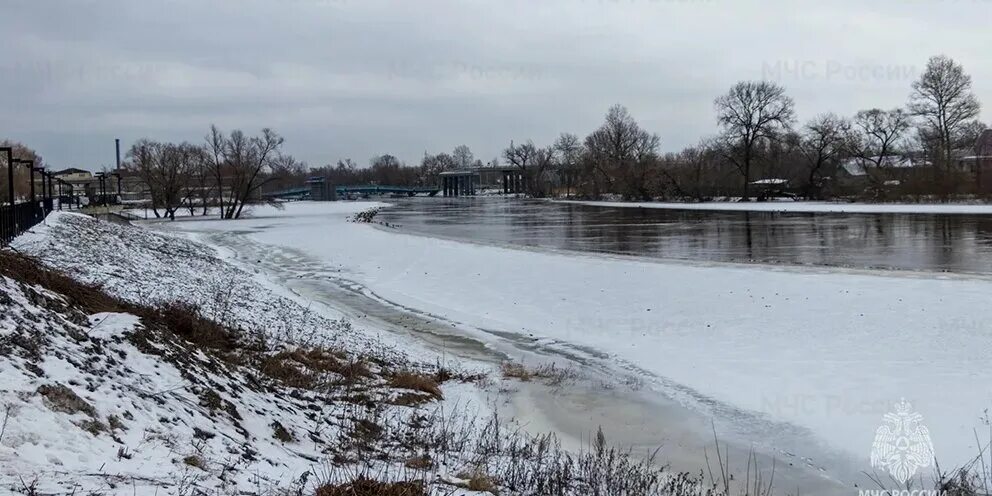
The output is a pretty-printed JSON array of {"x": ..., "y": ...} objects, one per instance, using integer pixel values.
[
  {"x": 522, "y": 157},
  {"x": 540, "y": 174},
  {"x": 201, "y": 181},
  {"x": 943, "y": 99},
  {"x": 621, "y": 150},
  {"x": 166, "y": 169},
  {"x": 568, "y": 152},
  {"x": 239, "y": 163},
  {"x": 751, "y": 112},
  {"x": 463, "y": 156},
  {"x": 386, "y": 169},
  {"x": 873, "y": 139},
  {"x": 217, "y": 162},
  {"x": 821, "y": 144},
  {"x": 693, "y": 173},
  {"x": 971, "y": 132},
  {"x": 431, "y": 167},
  {"x": 286, "y": 173},
  {"x": 142, "y": 159}
]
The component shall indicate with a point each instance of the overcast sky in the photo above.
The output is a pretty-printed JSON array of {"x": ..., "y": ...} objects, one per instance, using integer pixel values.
[{"x": 356, "y": 78}]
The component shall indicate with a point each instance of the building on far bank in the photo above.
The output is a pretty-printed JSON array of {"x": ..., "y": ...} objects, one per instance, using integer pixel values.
[{"x": 980, "y": 163}]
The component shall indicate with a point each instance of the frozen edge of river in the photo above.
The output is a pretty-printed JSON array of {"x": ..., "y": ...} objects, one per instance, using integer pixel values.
[
  {"x": 600, "y": 396},
  {"x": 371, "y": 257},
  {"x": 800, "y": 207}
]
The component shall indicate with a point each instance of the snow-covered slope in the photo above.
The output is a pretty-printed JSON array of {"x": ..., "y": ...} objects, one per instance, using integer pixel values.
[
  {"x": 122, "y": 402},
  {"x": 151, "y": 268},
  {"x": 103, "y": 404}
]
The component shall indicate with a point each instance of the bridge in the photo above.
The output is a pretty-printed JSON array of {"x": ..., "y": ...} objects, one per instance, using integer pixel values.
[
  {"x": 372, "y": 189},
  {"x": 292, "y": 193},
  {"x": 307, "y": 192}
]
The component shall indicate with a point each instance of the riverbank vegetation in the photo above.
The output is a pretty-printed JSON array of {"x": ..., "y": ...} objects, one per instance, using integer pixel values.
[{"x": 933, "y": 149}]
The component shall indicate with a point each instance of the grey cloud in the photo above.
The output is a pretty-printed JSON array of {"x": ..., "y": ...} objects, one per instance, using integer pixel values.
[{"x": 349, "y": 78}]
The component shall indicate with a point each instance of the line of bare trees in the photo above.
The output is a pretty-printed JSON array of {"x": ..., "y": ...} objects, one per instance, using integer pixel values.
[
  {"x": 227, "y": 172},
  {"x": 759, "y": 142},
  {"x": 760, "y": 147}
]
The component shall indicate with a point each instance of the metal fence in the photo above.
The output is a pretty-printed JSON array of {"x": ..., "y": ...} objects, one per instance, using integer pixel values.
[{"x": 15, "y": 219}]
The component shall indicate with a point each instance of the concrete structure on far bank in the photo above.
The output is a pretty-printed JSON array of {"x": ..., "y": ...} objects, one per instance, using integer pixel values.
[{"x": 467, "y": 182}]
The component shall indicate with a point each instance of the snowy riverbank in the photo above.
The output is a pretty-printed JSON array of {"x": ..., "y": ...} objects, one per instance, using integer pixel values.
[
  {"x": 123, "y": 387},
  {"x": 803, "y": 206},
  {"x": 211, "y": 372},
  {"x": 798, "y": 360}
]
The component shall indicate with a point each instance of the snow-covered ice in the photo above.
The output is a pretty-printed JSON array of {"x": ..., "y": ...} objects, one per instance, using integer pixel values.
[{"x": 773, "y": 350}]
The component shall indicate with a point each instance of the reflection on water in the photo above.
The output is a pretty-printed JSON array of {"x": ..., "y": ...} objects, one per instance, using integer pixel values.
[{"x": 952, "y": 243}]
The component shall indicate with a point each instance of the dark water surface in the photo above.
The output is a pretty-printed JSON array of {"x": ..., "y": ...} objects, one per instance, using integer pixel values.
[{"x": 927, "y": 242}]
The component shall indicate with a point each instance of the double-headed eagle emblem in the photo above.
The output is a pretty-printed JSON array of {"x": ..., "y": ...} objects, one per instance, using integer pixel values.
[{"x": 902, "y": 444}]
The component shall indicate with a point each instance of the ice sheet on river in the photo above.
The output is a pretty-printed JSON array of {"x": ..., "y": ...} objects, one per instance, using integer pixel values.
[{"x": 826, "y": 350}]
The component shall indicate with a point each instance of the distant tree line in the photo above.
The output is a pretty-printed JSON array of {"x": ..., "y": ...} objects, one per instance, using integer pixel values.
[
  {"x": 760, "y": 147},
  {"x": 911, "y": 152}
]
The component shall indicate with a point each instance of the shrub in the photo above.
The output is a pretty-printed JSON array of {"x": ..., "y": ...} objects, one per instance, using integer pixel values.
[
  {"x": 416, "y": 382},
  {"x": 368, "y": 487}
]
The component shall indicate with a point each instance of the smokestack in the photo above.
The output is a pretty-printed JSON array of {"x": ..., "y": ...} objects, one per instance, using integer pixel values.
[{"x": 117, "y": 142}]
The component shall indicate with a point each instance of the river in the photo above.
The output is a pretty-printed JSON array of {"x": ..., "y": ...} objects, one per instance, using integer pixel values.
[{"x": 919, "y": 242}]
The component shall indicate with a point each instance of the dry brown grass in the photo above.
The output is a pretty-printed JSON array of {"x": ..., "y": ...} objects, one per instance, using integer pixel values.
[
  {"x": 281, "y": 433},
  {"x": 366, "y": 432},
  {"x": 181, "y": 319},
  {"x": 309, "y": 368},
  {"x": 411, "y": 399},
  {"x": 61, "y": 399},
  {"x": 416, "y": 382},
  {"x": 195, "y": 461},
  {"x": 305, "y": 368},
  {"x": 478, "y": 481},
  {"x": 185, "y": 321},
  {"x": 422, "y": 462},
  {"x": 367, "y": 487},
  {"x": 517, "y": 371},
  {"x": 28, "y": 270},
  {"x": 550, "y": 374},
  {"x": 93, "y": 426}
]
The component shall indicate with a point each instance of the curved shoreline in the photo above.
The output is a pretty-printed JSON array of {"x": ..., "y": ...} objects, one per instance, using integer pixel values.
[
  {"x": 801, "y": 207},
  {"x": 643, "y": 420}
]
